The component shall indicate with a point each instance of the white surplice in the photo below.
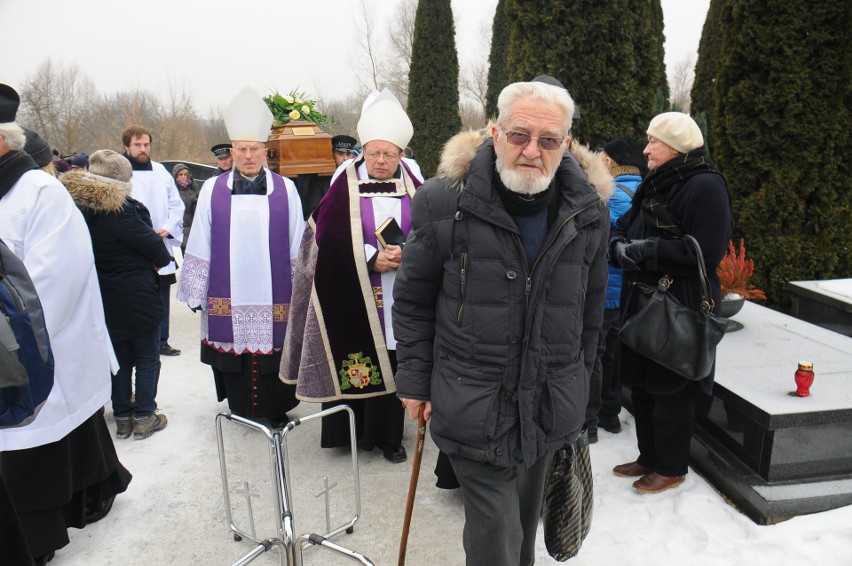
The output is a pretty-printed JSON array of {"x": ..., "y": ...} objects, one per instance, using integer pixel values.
[
  {"x": 251, "y": 271},
  {"x": 42, "y": 226},
  {"x": 156, "y": 189}
]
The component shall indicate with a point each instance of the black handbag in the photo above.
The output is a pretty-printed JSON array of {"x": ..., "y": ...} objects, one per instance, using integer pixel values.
[
  {"x": 566, "y": 508},
  {"x": 678, "y": 338}
]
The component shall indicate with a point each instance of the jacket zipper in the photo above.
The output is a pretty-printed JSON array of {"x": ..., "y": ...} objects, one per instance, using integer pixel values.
[
  {"x": 463, "y": 282},
  {"x": 528, "y": 274}
]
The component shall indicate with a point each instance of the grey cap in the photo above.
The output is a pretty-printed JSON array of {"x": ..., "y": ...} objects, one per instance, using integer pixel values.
[{"x": 107, "y": 163}]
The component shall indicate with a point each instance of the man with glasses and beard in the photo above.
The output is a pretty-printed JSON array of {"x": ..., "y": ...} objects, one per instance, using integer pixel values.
[
  {"x": 238, "y": 268},
  {"x": 155, "y": 187},
  {"x": 497, "y": 309}
]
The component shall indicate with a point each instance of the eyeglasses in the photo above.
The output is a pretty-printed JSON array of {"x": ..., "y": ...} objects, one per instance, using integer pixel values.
[
  {"x": 254, "y": 150},
  {"x": 383, "y": 154},
  {"x": 547, "y": 143}
]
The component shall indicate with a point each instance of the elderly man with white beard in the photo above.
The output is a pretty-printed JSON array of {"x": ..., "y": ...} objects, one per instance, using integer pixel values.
[{"x": 497, "y": 309}]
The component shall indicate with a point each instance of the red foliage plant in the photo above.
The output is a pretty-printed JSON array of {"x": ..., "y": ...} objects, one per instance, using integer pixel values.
[{"x": 735, "y": 271}]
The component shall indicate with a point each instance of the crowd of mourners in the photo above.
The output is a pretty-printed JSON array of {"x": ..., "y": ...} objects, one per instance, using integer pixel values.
[{"x": 487, "y": 299}]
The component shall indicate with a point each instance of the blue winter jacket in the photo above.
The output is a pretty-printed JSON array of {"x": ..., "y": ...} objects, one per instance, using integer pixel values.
[{"x": 619, "y": 203}]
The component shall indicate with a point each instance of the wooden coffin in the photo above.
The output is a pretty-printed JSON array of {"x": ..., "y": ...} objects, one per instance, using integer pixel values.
[{"x": 297, "y": 148}]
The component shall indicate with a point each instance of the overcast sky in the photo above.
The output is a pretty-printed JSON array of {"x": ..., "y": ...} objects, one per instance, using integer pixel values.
[{"x": 191, "y": 45}]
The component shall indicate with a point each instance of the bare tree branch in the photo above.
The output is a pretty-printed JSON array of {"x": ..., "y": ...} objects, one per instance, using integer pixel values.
[
  {"x": 680, "y": 84},
  {"x": 365, "y": 57},
  {"x": 401, "y": 37},
  {"x": 56, "y": 104},
  {"x": 473, "y": 83}
]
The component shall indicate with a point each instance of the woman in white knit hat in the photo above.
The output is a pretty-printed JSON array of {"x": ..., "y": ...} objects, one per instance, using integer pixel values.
[{"x": 683, "y": 194}]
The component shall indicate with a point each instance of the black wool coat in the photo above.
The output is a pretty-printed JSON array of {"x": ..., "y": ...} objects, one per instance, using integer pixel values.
[
  {"x": 127, "y": 253},
  {"x": 701, "y": 206},
  {"x": 189, "y": 196}
]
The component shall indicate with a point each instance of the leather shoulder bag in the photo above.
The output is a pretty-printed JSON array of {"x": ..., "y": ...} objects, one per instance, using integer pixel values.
[{"x": 679, "y": 338}]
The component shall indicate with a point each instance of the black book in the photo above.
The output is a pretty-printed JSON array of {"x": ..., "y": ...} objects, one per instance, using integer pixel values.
[{"x": 390, "y": 234}]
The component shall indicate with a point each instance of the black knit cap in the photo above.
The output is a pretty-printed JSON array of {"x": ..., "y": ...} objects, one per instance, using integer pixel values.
[
  {"x": 548, "y": 80},
  {"x": 37, "y": 148},
  {"x": 626, "y": 152},
  {"x": 9, "y": 102}
]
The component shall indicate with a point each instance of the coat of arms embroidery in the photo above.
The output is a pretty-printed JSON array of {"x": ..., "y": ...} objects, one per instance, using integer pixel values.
[{"x": 359, "y": 371}]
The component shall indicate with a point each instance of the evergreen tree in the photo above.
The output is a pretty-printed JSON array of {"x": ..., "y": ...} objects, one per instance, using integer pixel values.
[
  {"x": 433, "y": 92},
  {"x": 651, "y": 65},
  {"x": 604, "y": 52},
  {"x": 783, "y": 97},
  {"x": 660, "y": 103},
  {"x": 498, "y": 76},
  {"x": 703, "y": 96}
]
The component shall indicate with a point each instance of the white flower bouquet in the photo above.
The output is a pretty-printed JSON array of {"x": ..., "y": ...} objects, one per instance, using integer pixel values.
[{"x": 293, "y": 106}]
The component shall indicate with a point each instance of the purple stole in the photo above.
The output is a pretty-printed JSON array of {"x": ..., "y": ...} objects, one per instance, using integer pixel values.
[
  {"x": 368, "y": 222},
  {"x": 219, "y": 308}
]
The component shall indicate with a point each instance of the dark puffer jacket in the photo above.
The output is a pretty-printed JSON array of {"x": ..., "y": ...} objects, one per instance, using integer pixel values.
[
  {"x": 126, "y": 252},
  {"x": 504, "y": 353}
]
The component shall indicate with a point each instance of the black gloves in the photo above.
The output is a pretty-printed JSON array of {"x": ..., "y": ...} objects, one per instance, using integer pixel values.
[{"x": 628, "y": 254}]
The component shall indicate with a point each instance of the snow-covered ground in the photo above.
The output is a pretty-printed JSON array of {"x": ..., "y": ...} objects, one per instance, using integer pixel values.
[{"x": 173, "y": 511}]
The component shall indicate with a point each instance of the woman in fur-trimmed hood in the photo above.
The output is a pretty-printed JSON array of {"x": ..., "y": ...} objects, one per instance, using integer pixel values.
[
  {"x": 498, "y": 305},
  {"x": 127, "y": 253},
  {"x": 126, "y": 250}
]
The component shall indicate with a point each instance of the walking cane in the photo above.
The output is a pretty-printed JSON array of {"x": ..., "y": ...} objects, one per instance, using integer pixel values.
[{"x": 412, "y": 486}]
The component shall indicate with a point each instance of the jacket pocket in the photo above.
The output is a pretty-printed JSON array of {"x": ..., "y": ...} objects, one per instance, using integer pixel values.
[
  {"x": 464, "y": 401},
  {"x": 563, "y": 400}
]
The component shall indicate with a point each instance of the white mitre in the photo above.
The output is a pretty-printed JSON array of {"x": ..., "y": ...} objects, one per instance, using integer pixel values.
[
  {"x": 382, "y": 118},
  {"x": 247, "y": 118}
]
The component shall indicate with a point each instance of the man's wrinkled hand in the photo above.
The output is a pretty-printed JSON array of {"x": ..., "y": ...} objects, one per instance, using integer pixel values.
[
  {"x": 413, "y": 407},
  {"x": 389, "y": 259}
]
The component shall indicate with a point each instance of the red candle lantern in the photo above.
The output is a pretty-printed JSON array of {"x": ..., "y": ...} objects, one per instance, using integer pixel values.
[{"x": 804, "y": 379}]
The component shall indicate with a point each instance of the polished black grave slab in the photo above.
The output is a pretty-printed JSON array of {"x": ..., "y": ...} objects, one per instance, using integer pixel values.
[
  {"x": 772, "y": 454},
  {"x": 824, "y": 303}
]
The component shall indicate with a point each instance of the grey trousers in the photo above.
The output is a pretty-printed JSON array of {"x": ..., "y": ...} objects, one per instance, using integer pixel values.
[{"x": 501, "y": 510}]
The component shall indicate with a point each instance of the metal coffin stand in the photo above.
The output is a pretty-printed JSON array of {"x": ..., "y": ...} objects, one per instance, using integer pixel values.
[{"x": 289, "y": 544}]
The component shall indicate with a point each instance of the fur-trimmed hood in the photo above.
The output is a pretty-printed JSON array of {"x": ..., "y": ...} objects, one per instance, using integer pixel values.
[
  {"x": 459, "y": 151},
  {"x": 95, "y": 193}
]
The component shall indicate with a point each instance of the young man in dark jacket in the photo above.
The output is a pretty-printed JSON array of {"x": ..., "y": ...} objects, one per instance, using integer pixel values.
[{"x": 497, "y": 310}]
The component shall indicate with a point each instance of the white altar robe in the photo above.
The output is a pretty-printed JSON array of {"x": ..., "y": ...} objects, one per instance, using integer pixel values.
[
  {"x": 251, "y": 272},
  {"x": 42, "y": 226},
  {"x": 156, "y": 189}
]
